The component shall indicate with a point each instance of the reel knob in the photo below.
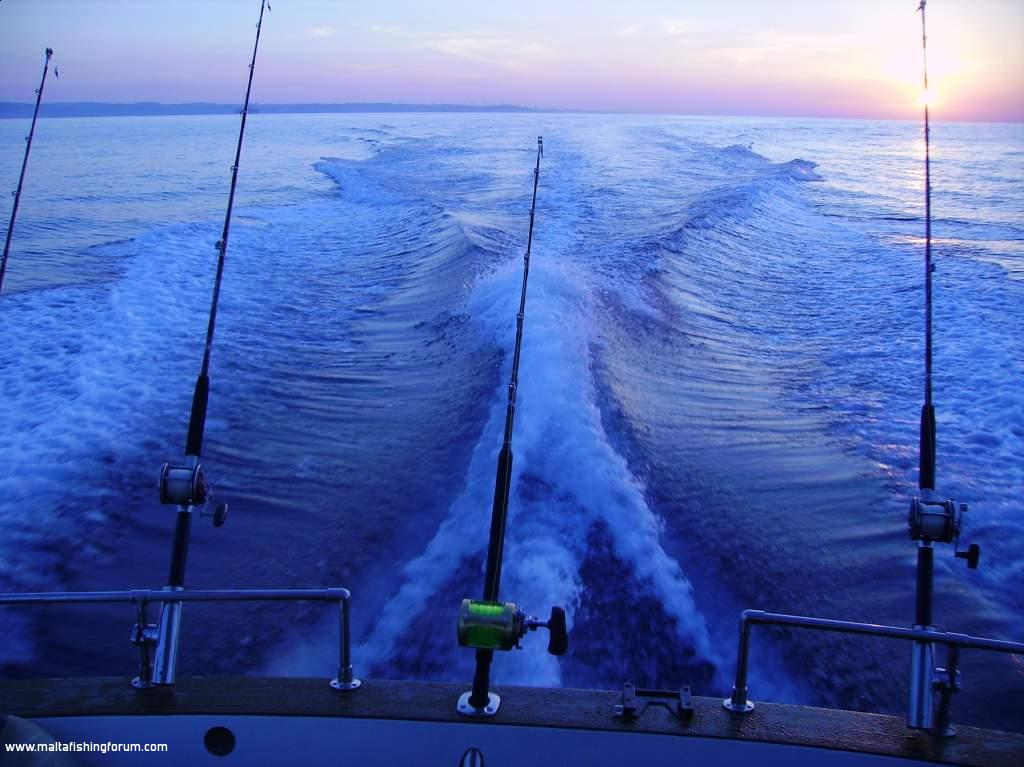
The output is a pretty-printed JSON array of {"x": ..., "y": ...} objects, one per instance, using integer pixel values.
[
  {"x": 558, "y": 635},
  {"x": 558, "y": 639},
  {"x": 220, "y": 515},
  {"x": 972, "y": 555}
]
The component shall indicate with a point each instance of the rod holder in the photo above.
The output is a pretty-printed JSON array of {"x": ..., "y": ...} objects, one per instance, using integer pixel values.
[
  {"x": 922, "y": 668},
  {"x": 947, "y": 683},
  {"x": 144, "y": 636},
  {"x": 167, "y": 638}
]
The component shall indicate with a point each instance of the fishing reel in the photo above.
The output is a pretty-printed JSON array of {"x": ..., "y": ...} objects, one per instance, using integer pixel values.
[
  {"x": 183, "y": 485},
  {"x": 940, "y": 521},
  {"x": 500, "y": 626},
  {"x": 186, "y": 485}
]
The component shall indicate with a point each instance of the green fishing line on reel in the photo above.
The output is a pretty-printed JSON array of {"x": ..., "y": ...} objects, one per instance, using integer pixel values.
[{"x": 490, "y": 625}]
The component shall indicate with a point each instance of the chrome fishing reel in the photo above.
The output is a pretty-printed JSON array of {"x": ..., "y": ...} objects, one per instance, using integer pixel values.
[
  {"x": 940, "y": 521},
  {"x": 183, "y": 485},
  {"x": 186, "y": 485},
  {"x": 501, "y": 625}
]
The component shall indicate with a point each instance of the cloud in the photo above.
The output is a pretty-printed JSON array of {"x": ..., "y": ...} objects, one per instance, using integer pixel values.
[
  {"x": 677, "y": 27},
  {"x": 319, "y": 32},
  {"x": 662, "y": 29},
  {"x": 388, "y": 29},
  {"x": 774, "y": 45},
  {"x": 501, "y": 51}
]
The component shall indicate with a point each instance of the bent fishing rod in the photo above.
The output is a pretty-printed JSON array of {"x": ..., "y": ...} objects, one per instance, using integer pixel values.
[
  {"x": 488, "y": 624},
  {"x": 931, "y": 519},
  {"x": 184, "y": 484},
  {"x": 24, "y": 166}
]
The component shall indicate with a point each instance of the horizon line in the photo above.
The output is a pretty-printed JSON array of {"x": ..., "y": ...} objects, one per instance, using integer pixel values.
[{"x": 72, "y": 109}]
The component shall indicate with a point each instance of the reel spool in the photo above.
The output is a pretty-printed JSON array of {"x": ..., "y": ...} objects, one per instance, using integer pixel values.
[
  {"x": 183, "y": 485},
  {"x": 500, "y": 626},
  {"x": 935, "y": 520}
]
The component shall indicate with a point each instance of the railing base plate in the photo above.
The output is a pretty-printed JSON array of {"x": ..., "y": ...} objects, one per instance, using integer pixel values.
[
  {"x": 337, "y": 684},
  {"x": 466, "y": 709},
  {"x": 746, "y": 708}
]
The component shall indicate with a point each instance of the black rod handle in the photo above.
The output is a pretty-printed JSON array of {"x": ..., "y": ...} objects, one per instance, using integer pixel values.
[
  {"x": 197, "y": 421},
  {"x": 179, "y": 551},
  {"x": 480, "y": 696},
  {"x": 926, "y": 473},
  {"x": 499, "y": 512}
]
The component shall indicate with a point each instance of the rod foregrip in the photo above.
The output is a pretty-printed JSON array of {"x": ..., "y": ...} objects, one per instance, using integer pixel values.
[
  {"x": 197, "y": 421},
  {"x": 926, "y": 476},
  {"x": 499, "y": 511}
]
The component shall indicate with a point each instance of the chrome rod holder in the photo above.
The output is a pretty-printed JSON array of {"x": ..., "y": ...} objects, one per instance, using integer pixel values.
[
  {"x": 922, "y": 670},
  {"x": 168, "y": 635},
  {"x": 946, "y": 684},
  {"x": 144, "y": 635}
]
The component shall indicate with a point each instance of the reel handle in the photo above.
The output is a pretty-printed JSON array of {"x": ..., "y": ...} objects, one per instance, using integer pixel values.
[
  {"x": 219, "y": 514},
  {"x": 972, "y": 555},
  {"x": 558, "y": 635},
  {"x": 558, "y": 639}
]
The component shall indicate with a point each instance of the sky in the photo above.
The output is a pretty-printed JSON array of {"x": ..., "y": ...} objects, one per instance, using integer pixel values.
[{"x": 825, "y": 58}]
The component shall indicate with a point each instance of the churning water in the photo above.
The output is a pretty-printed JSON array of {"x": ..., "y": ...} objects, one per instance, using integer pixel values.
[{"x": 719, "y": 395}]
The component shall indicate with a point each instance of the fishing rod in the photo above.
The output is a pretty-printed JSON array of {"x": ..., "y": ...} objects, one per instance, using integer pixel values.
[
  {"x": 184, "y": 484},
  {"x": 503, "y": 479},
  {"x": 926, "y": 473},
  {"x": 931, "y": 519},
  {"x": 488, "y": 625},
  {"x": 24, "y": 166}
]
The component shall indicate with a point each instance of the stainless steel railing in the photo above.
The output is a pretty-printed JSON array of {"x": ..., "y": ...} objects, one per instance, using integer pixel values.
[
  {"x": 144, "y": 635},
  {"x": 739, "y": 703}
]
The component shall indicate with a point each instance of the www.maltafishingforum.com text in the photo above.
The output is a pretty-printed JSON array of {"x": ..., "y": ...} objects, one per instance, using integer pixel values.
[{"x": 76, "y": 746}]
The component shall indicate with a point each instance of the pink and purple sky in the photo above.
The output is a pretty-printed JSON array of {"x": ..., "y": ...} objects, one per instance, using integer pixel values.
[{"x": 858, "y": 58}]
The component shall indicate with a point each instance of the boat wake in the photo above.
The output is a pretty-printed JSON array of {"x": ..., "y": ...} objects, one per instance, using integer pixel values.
[{"x": 717, "y": 403}]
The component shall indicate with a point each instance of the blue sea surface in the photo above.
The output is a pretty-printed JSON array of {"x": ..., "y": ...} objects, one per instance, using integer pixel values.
[{"x": 720, "y": 386}]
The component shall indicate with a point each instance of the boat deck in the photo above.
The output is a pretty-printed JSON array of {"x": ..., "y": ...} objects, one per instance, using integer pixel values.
[{"x": 108, "y": 704}]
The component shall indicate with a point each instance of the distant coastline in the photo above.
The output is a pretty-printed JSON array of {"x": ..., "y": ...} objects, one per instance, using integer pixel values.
[{"x": 9, "y": 109}]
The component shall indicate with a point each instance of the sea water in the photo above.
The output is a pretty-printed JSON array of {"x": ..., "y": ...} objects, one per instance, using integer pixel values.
[{"x": 720, "y": 385}]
